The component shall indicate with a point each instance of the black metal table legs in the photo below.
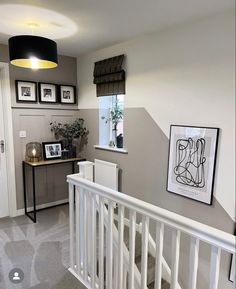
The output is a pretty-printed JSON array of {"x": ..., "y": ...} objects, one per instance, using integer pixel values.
[
  {"x": 32, "y": 213},
  {"x": 29, "y": 213}
]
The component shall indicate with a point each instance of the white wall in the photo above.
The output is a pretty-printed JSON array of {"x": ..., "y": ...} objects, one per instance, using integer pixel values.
[{"x": 183, "y": 75}]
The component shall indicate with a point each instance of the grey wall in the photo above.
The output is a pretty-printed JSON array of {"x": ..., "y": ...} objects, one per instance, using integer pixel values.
[
  {"x": 51, "y": 185},
  {"x": 144, "y": 168},
  {"x": 65, "y": 73},
  {"x": 3, "y": 53},
  {"x": 35, "y": 120},
  {"x": 144, "y": 174}
]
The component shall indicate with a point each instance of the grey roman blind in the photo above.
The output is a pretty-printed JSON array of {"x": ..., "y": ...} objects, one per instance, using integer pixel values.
[{"x": 109, "y": 76}]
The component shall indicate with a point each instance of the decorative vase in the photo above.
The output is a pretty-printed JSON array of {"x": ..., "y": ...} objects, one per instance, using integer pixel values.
[
  {"x": 119, "y": 141},
  {"x": 114, "y": 136},
  {"x": 71, "y": 149}
]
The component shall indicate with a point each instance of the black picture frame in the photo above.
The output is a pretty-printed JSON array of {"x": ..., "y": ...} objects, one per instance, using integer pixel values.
[
  {"x": 67, "y": 94},
  {"x": 48, "y": 92},
  {"x": 26, "y": 91},
  {"x": 187, "y": 170},
  {"x": 232, "y": 269},
  {"x": 52, "y": 150}
]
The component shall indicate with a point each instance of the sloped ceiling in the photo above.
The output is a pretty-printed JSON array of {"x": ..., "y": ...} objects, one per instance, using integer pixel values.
[{"x": 94, "y": 24}]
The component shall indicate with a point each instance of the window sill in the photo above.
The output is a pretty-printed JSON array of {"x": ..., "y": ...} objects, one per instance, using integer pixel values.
[{"x": 107, "y": 148}]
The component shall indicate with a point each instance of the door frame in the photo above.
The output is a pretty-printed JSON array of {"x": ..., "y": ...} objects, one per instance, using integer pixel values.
[{"x": 9, "y": 145}]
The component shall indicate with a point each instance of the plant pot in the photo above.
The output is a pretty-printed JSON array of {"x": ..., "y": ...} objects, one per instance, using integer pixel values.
[
  {"x": 71, "y": 151},
  {"x": 69, "y": 147}
]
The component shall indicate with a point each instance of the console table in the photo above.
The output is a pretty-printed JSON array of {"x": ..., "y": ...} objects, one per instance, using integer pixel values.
[{"x": 33, "y": 166}]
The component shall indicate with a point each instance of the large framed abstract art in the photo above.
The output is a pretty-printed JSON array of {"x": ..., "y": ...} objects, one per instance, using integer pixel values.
[{"x": 192, "y": 159}]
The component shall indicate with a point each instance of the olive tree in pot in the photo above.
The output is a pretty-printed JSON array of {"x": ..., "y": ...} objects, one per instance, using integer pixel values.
[
  {"x": 115, "y": 116},
  {"x": 73, "y": 135}
]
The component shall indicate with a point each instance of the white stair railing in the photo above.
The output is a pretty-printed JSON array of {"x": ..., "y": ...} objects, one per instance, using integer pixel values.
[
  {"x": 83, "y": 255},
  {"x": 155, "y": 248},
  {"x": 102, "y": 234}
]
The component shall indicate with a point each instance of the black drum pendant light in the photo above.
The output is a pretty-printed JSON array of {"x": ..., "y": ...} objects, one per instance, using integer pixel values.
[{"x": 31, "y": 51}]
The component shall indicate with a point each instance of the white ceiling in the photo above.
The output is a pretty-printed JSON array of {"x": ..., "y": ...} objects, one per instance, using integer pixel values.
[{"x": 80, "y": 26}]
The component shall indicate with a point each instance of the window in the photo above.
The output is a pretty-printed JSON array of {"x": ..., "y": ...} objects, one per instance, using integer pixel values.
[{"x": 111, "y": 112}]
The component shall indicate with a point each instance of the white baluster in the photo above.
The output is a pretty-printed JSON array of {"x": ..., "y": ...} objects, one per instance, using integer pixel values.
[
  {"x": 109, "y": 274},
  {"x": 81, "y": 219},
  {"x": 132, "y": 232},
  {"x": 145, "y": 235},
  {"x": 93, "y": 241},
  {"x": 175, "y": 259},
  {"x": 120, "y": 246},
  {"x": 85, "y": 238},
  {"x": 77, "y": 228},
  {"x": 215, "y": 267},
  {"x": 159, "y": 253},
  {"x": 115, "y": 269},
  {"x": 101, "y": 243},
  {"x": 193, "y": 263},
  {"x": 124, "y": 278},
  {"x": 72, "y": 222}
]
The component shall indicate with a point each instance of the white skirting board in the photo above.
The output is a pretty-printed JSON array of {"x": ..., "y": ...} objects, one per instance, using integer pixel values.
[{"x": 21, "y": 212}]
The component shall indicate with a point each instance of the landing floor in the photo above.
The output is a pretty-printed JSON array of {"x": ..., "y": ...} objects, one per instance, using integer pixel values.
[{"x": 40, "y": 250}]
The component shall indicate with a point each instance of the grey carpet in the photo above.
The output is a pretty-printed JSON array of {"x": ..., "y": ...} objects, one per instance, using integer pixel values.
[
  {"x": 41, "y": 250},
  {"x": 68, "y": 281}
]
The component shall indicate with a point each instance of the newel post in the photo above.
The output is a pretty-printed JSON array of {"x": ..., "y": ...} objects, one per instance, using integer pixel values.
[
  {"x": 85, "y": 207},
  {"x": 86, "y": 169}
]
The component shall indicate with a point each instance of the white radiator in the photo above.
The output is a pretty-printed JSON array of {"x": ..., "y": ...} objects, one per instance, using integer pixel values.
[{"x": 106, "y": 174}]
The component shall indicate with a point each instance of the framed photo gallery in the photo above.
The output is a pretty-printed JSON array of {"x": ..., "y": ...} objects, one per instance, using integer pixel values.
[
  {"x": 33, "y": 92},
  {"x": 192, "y": 159}
]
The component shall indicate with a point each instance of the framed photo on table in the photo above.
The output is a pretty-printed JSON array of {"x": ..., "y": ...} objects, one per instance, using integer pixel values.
[
  {"x": 47, "y": 92},
  {"x": 52, "y": 150},
  {"x": 192, "y": 159},
  {"x": 68, "y": 94},
  {"x": 26, "y": 91}
]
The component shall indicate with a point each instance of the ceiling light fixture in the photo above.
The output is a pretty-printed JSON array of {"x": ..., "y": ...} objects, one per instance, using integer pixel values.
[{"x": 30, "y": 51}]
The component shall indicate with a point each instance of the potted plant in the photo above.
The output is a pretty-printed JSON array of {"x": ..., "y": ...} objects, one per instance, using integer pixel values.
[
  {"x": 115, "y": 116},
  {"x": 71, "y": 134}
]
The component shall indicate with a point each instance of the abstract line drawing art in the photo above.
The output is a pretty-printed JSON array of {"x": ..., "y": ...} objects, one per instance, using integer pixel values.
[
  {"x": 192, "y": 157},
  {"x": 190, "y": 162}
]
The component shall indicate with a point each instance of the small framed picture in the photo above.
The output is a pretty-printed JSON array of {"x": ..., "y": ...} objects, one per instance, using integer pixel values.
[
  {"x": 232, "y": 271},
  {"x": 26, "y": 91},
  {"x": 192, "y": 159},
  {"x": 52, "y": 150},
  {"x": 68, "y": 94},
  {"x": 47, "y": 92}
]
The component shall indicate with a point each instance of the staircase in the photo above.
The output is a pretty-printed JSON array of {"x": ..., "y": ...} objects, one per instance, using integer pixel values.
[
  {"x": 109, "y": 249},
  {"x": 138, "y": 256}
]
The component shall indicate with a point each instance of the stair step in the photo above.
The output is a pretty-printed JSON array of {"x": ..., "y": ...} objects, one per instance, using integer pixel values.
[
  {"x": 164, "y": 285},
  {"x": 138, "y": 240},
  {"x": 138, "y": 253},
  {"x": 150, "y": 269}
]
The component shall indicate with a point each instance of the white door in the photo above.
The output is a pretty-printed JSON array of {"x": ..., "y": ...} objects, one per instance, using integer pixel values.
[{"x": 4, "y": 205}]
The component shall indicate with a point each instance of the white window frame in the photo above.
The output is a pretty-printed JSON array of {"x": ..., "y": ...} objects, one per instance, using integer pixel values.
[{"x": 106, "y": 134}]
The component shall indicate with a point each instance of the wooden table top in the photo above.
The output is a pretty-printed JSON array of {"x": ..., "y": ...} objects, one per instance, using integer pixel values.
[{"x": 52, "y": 162}]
